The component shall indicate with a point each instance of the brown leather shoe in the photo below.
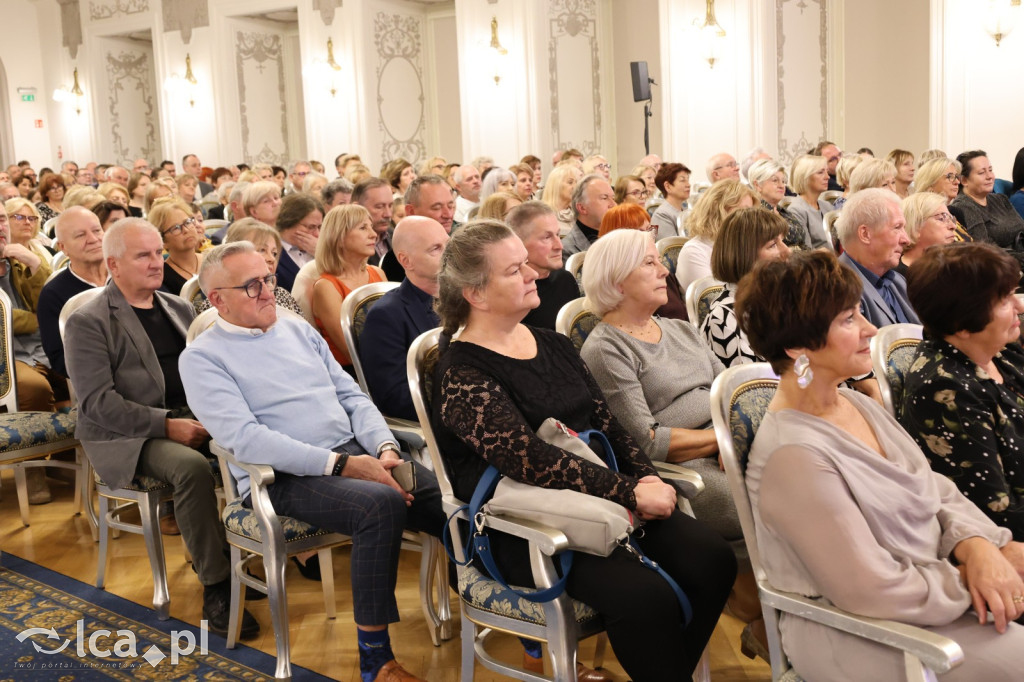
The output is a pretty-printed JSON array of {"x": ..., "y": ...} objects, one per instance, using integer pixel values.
[
  {"x": 585, "y": 674},
  {"x": 534, "y": 665},
  {"x": 169, "y": 526},
  {"x": 392, "y": 672}
]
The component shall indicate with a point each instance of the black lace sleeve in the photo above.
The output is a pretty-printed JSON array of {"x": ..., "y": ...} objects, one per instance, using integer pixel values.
[{"x": 480, "y": 412}]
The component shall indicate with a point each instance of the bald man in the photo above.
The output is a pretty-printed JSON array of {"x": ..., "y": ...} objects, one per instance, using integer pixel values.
[
  {"x": 79, "y": 235},
  {"x": 402, "y": 314},
  {"x": 722, "y": 167}
]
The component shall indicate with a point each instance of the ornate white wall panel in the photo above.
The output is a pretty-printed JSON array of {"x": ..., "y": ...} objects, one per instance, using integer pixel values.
[
  {"x": 574, "y": 62},
  {"x": 802, "y": 39},
  {"x": 130, "y": 103},
  {"x": 400, "y": 93},
  {"x": 263, "y": 115},
  {"x": 107, "y": 9}
]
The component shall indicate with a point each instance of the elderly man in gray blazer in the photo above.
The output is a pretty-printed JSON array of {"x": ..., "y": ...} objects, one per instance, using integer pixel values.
[
  {"x": 872, "y": 231},
  {"x": 121, "y": 351}
]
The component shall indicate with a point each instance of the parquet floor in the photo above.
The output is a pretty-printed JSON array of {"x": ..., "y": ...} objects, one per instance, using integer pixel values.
[{"x": 61, "y": 542}]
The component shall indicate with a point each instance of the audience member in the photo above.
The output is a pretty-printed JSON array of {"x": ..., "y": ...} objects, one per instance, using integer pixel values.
[
  {"x": 51, "y": 197},
  {"x": 988, "y": 216},
  {"x": 630, "y": 189},
  {"x": 558, "y": 193},
  {"x": 873, "y": 173},
  {"x": 133, "y": 418},
  {"x": 831, "y": 153},
  {"x": 347, "y": 240},
  {"x": 591, "y": 199},
  {"x": 262, "y": 201},
  {"x": 904, "y": 163},
  {"x": 374, "y": 194},
  {"x": 536, "y": 225},
  {"x": 871, "y": 229},
  {"x": 673, "y": 181},
  {"x": 402, "y": 314},
  {"x": 722, "y": 167},
  {"x": 501, "y": 376},
  {"x": 768, "y": 179},
  {"x": 431, "y": 196},
  {"x": 336, "y": 193},
  {"x": 399, "y": 173},
  {"x": 297, "y": 172},
  {"x": 298, "y": 223},
  {"x": 599, "y": 165},
  {"x": 525, "y": 185},
  {"x": 844, "y": 172},
  {"x": 24, "y": 221},
  {"x": 844, "y": 502},
  {"x": 498, "y": 180},
  {"x": 467, "y": 181},
  {"x": 808, "y": 176},
  {"x": 929, "y": 222},
  {"x": 137, "y": 186},
  {"x": 173, "y": 218},
  {"x": 702, "y": 225}
]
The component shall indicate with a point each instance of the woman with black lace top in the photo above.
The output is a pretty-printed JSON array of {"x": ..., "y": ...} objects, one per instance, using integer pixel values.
[{"x": 496, "y": 383}]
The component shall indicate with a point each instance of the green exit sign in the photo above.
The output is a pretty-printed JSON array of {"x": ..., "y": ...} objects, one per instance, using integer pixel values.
[{"x": 28, "y": 98}]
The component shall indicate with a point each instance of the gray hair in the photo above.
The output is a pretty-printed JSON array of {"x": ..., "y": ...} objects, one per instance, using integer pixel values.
[
  {"x": 313, "y": 176},
  {"x": 295, "y": 164},
  {"x": 457, "y": 173},
  {"x": 608, "y": 263},
  {"x": 113, "y": 239},
  {"x": 412, "y": 192},
  {"x": 867, "y": 207},
  {"x": 464, "y": 265},
  {"x": 334, "y": 188},
  {"x": 521, "y": 218},
  {"x": 490, "y": 183},
  {"x": 481, "y": 160},
  {"x": 759, "y": 171},
  {"x": 581, "y": 187},
  {"x": 213, "y": 261},
  {"x": 749, "y": 161},
  {"x": 238, "y": 191}
]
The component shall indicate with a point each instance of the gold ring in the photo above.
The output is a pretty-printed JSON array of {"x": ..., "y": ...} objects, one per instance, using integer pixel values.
[{"x": 1018, "y": 599}]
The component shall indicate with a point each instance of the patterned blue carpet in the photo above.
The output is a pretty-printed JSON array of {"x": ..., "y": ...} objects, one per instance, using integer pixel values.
[{"x": 53, "y": 627}]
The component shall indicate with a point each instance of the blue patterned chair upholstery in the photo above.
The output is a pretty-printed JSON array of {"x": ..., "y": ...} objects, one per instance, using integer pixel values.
[
  {"x": 576, "y": 322},
  {"x": 433, "y": 571},
  {"x": 893, "y": 350},
  {"x": 28, "y": 438},
  {"x": 668, "y": 249},
  {"x": 699, "y": 296},
  {"x": 740, "y": 397},
  {"x": 574, "y": 265},
  {"x": 486, "y": 606}
]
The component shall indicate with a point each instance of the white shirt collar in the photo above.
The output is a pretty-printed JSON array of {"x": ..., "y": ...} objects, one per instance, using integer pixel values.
[
  {"x": 72, "y": 271},
  {"x": 240, "y": 331}
]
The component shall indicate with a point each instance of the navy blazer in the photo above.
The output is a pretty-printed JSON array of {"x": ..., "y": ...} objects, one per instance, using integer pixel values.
[
  {"x": 287, "y": 269},
  {"x": 873, "y": 306},
  {"x": 392, "y": 324}
]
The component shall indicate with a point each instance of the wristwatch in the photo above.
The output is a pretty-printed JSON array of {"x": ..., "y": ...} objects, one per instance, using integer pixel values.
[{"x": 388, "y": 445}]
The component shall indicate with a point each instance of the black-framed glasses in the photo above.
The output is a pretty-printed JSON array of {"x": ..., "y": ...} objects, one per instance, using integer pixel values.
[
  {"x": 254, "y": 286},
  {"x": 638, "y": 194},
  {"x": 952, "y": 177},
  {"x": 177, "y": 229}
]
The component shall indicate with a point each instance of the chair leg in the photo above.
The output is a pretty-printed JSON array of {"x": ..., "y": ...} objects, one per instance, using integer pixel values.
[
  {"x": 274, "y": 565},
  {"x": 327, "y": 580},
  {"x": 703, "y": 671},
  {"x": 21, "y": 485},
  {"x": 150, "y": 522},
  {"x": 237, "y": 606},
  {"x": 600, "y": 646},
  {"x": 562, "y": 642},
  {"x": 468, "y": 649},
  {"x": 428, "y": 577},
  {"x": 88, "y": 488},
  {"x": 103, "y": 531},
  {"x": 444, "y": 609}
]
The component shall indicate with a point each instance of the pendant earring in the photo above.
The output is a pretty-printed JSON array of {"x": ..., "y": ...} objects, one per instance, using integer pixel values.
[{"x": 803, "y": 371}]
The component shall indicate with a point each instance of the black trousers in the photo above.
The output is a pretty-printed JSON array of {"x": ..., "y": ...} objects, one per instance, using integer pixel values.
[{"x": 641, "y": 613}]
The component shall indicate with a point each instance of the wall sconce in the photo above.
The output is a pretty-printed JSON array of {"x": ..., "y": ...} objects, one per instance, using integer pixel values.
[
  {"x": 74, "y": 94},
  {"x": 1001, "y": 18},
  {"x": 321, "y": 71},
  {"x": 710, "y": 34},
  {"x": 499, "y": 51},
  {"x": 186, "y": 84}
]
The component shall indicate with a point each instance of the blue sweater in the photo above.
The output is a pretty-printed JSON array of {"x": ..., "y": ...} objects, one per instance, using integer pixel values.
[{"x": 278, "y": 398}]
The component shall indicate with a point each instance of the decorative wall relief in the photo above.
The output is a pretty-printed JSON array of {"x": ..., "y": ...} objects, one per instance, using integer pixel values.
[
  {"x": 326, "y": 9},
  {"x": 400, "y": 94},
  {"x": 105, "y": 9},
  {"x": 572, "y": 54},
  {"x": 802, "y": 37},
  {"x": 71, "y": 25},
  {"x": 260, "y": 71},
  {"x": 185, "y": 15},
  {"x": 131, "y": 109}
]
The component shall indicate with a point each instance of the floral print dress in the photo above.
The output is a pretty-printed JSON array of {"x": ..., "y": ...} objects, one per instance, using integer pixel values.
[{"x": 970, "y": 427}]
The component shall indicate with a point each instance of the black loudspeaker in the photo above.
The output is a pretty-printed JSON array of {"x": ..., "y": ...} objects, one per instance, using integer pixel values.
[{"x": 641, "y": 82}]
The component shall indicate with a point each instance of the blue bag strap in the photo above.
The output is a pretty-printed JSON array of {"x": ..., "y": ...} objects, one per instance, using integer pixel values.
[{"x": 602, "y": 440}]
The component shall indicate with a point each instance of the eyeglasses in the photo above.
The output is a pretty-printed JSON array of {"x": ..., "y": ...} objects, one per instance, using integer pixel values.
[
  {"x": 731, "y": 164},
  {"x": 177, "y": 229},
  {"x": 254, "y": 287},
  {"x": 944, "y": 218},
  {"x": 638, "y": 194},
  {"x": 603, "y": 166},
  {"x": 952, "y": 177},
  {"x": 301, "y": 174},
  {"x": 649, "y": 229},
  {"x": 17, "y": 217}
]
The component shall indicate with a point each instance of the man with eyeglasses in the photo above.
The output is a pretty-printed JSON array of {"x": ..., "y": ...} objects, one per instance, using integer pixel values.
[
  {"x": 722, "y": 167},
  {"x": 297, "y": 173},
  {"x": 592, "y": 198},
  {"x": 121, "y": 350},
  {"x": 832, "y": 155},
  {"x": 330, "y": 448}
]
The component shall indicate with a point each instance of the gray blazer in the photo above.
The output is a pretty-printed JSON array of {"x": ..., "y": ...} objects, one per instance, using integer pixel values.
[
  {"x": 873, "y": 306},
  {"x": 574, "y": 242},
  {"x": 117, "y": 377},
  {"x": 812, "y": 222}
]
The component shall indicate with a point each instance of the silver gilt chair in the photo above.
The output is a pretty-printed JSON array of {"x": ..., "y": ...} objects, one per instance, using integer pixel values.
[
  {"x": 893, "y": 350},
  {"x": 668, "y": 251},
  {"x": 699, "y": 296},
  {"x": 739, "y": 400},
  {"x": 28, "y": 438},
  {"x": 433, "y": 563}
]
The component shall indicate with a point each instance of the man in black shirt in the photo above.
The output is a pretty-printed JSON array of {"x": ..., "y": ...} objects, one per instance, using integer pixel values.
[
  {"x": 537, "y": 225},
  {"x": 121, "y": 351}
]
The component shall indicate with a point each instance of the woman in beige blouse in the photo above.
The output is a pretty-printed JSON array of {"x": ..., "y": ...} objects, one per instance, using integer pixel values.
[{"x": 846, "y": 507}]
